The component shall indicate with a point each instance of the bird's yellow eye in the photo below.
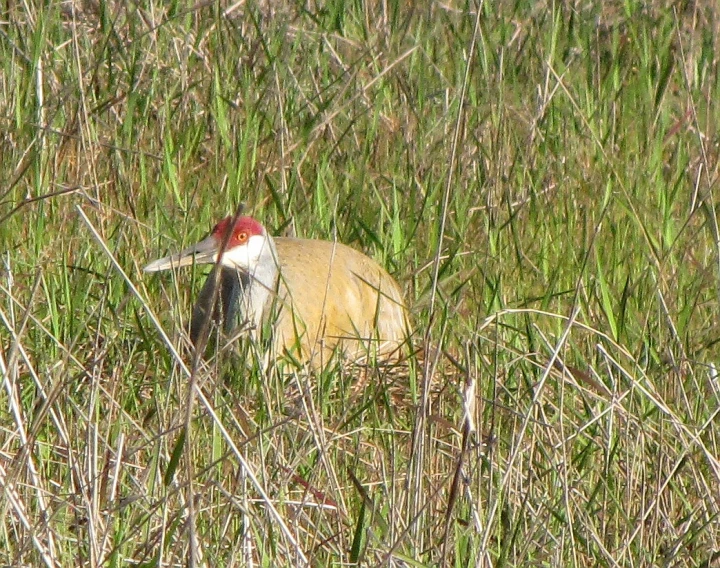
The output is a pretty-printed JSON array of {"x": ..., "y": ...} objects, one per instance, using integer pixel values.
[{"x": 241, "y": 237}]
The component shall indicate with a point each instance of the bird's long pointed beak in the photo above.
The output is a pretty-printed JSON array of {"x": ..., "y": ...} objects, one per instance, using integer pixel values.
[{"x": 204, "y": 252}]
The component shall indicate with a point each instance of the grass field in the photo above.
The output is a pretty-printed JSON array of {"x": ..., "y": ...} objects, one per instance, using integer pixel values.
[{"x": 540, "y": 177}]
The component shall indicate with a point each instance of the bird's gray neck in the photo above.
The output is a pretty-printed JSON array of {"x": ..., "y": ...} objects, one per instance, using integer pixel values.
[
  {"x": 259, "y": 285},
  {"x": 242, "y": 298}
]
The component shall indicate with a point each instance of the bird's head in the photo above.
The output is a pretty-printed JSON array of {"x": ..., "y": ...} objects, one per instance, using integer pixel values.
[{"x": 247, "y": 243}]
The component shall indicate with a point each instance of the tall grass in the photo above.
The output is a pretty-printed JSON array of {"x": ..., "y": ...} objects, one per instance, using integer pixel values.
[{"x": 539, "y": 177}]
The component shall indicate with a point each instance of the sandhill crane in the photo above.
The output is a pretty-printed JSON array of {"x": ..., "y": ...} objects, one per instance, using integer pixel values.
[{"x": 318, "y": 296}]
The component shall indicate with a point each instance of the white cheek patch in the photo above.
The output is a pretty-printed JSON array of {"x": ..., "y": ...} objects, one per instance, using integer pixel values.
[{"x": 245, "y": 256}]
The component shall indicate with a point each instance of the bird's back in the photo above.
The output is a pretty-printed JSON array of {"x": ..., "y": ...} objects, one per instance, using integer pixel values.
[{"x": 332, "y": 295}]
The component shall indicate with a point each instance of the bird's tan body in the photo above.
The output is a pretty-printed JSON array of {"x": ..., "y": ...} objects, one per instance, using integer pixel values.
[{"x": 331, "y": 295}]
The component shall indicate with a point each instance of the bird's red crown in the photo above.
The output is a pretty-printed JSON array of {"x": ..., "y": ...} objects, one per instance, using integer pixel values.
[{"x": 244, "y": 228}]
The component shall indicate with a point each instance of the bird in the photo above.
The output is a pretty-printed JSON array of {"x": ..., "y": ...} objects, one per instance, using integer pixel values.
[{"x": 318, "y": 297}]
